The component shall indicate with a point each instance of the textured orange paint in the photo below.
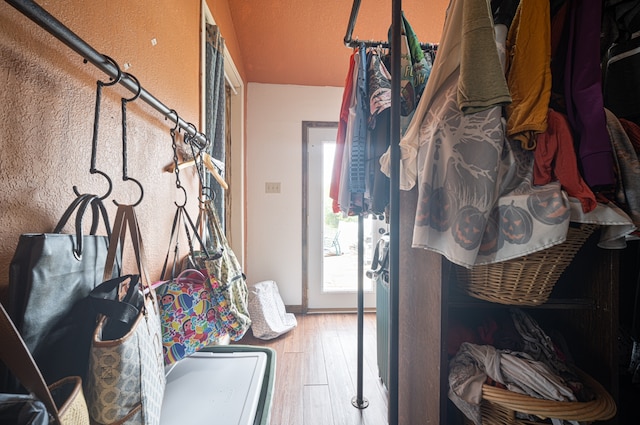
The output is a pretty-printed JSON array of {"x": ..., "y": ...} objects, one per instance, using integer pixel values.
[{"x": 301, "y": 41}]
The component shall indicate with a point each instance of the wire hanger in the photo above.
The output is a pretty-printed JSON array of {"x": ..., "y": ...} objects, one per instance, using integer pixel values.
[
  {"x": 125, "y": 176},
  {"x": 207, "y": 161},
  {"x": 96, "y": 120}
]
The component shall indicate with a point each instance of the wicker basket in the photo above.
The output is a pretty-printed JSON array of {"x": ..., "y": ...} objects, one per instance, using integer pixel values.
[
  {"x": 526, "y": 280},
  {"x": 499, "y": 406}
]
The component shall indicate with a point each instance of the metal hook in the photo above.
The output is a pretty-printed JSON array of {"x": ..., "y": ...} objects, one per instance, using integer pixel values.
[
  {"x": 125, "y": 176},
  {"x": 177, "y": 126},
  {"x": 184, "y": 191},
  {"x": 135, "y": 80},
  {"x": 175, "y": 161},
  {"x": 96, "y": 120},
  {"x": 118, "y": 77},
  {"x": 197, "y": 158},
  {"x": 211, "y": 195}
]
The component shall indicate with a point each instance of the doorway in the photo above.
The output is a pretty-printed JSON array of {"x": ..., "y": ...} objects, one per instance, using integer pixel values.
[{"x": 330, "y": 242}]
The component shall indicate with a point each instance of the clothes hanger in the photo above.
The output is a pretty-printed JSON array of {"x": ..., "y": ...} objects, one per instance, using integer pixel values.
[
  {"x": 96, "y": 120},
  {"x": 125, "y": 176},
  {"x": 207, "y": 161}
]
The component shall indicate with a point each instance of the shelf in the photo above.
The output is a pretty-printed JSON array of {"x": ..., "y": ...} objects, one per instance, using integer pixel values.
[{"x": 464, "y": 301}]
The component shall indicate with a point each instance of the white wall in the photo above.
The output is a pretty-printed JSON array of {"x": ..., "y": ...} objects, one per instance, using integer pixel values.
[{"x": 274, "y": 154}]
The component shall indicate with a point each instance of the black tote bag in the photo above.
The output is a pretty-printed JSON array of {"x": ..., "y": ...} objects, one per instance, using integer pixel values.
[{"x": 50, "y": 276}]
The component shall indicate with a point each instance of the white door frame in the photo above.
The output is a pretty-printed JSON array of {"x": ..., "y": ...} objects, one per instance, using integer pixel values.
[{"x": 313, "y": 299}]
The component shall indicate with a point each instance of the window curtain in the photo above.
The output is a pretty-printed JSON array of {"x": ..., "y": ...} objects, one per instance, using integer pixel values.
[{"x": 215, "y": 114}]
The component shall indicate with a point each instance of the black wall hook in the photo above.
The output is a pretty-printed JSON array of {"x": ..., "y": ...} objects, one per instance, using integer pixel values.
[
  {"x": 96, "y": 121},
  {"x": 124, "y": 101}
]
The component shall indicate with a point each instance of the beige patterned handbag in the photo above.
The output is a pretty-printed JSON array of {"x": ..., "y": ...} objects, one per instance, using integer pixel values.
[
  {"x": 228, "y": 282},
  {"x": 126, "y": 381}
]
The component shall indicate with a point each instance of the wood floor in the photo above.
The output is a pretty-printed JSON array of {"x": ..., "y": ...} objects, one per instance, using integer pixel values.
[{"x": 316, "y": 372}]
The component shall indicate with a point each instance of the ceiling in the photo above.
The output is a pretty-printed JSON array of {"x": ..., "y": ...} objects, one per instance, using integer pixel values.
[{"x": 301, "y": 42}]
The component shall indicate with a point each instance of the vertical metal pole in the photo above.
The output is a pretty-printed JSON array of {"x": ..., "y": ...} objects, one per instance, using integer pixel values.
[
  {"x": 359, "y": 401},
  {"x": 394, "y": 209}
]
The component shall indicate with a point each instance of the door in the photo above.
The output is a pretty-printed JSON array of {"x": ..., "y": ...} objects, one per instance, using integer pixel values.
[{"x": 330, "y": 251}]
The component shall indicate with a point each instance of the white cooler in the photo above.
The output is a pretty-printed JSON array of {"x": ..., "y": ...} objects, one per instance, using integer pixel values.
[{"x": 209, "y": 387}]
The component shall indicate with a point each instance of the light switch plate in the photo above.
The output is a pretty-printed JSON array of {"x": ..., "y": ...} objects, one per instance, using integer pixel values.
[{"x": 272, "y": 187}]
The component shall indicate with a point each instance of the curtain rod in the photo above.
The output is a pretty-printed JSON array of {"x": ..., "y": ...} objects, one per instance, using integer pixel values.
[{"x": 45, "y": 20}]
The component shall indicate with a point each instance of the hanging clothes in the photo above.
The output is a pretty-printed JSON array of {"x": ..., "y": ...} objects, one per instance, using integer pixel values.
[
  {"x": 379, "y": 130},
  {"x": 357, "y": 158},
  {"x": 555, "y": 159},
  {"x": 528, "y": 72},
  {"x": 365, "y": 118},
  {"x": 336, "y": 176},
  {"x": 582, "y": 90},
  {"x": 477, "y": 203},
  {"x": 627, "y": 193}
]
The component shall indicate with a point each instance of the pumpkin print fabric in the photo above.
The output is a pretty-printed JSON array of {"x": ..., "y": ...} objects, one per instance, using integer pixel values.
[
  {"x": 476, "y": 200},
  {"x": 477, "y": 203}
]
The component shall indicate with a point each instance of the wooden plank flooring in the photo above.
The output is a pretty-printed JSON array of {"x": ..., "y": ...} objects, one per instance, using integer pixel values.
[{"x": 316, "y": 372}]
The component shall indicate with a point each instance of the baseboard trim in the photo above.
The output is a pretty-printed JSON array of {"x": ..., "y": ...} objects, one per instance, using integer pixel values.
[
  {"x": 295, "y": 309},
  {"x": 337, "y": 310}
]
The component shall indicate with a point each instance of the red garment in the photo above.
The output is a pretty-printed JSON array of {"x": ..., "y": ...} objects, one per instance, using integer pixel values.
[
  {"x": 334, "y": 189},
  {"x": 555, "y": 159}
]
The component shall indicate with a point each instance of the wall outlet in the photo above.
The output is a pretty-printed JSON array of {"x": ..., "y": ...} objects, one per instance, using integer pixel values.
[{"x": 272, "y": 187}]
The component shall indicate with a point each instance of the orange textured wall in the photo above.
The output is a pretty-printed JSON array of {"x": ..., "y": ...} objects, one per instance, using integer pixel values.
[{"x": 47, "y": 103}]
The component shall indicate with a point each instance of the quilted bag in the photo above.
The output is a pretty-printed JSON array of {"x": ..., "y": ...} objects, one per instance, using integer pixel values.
[
  {"x": 126, "y": 380},
  {"x": 269, "y": 318},
  {"x": 230, "y": 295}
]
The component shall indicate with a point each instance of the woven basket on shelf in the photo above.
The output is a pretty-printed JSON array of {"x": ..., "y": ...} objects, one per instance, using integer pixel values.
[
  {"x": 499, "y": 406},
  {"x": 526, "y": 280}
]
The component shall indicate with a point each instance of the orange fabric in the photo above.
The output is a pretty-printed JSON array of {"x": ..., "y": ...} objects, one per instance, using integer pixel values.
[
  {"x": 528, "y": 72},
  {"x": 555, "y": 159}
]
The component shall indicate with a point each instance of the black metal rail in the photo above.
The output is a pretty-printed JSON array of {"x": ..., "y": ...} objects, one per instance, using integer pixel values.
[{"x": 45, "y": 20}]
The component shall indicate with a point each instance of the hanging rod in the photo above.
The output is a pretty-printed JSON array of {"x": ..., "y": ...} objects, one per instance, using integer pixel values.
[
  {"x": 45, "y": 20},
  {"x": 348, "y": 41},
  {"x": 352, "y": 43}
]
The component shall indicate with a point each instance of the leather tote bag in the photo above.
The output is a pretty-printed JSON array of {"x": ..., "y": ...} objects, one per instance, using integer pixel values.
[
  {"x": 61, "y": 403},
  {"x": 126, "y": 381},
  {"x": 50, "y": 276}
]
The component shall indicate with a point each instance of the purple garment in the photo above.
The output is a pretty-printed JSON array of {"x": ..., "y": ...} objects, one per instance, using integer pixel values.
[{"x": 583, "y": 93}]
